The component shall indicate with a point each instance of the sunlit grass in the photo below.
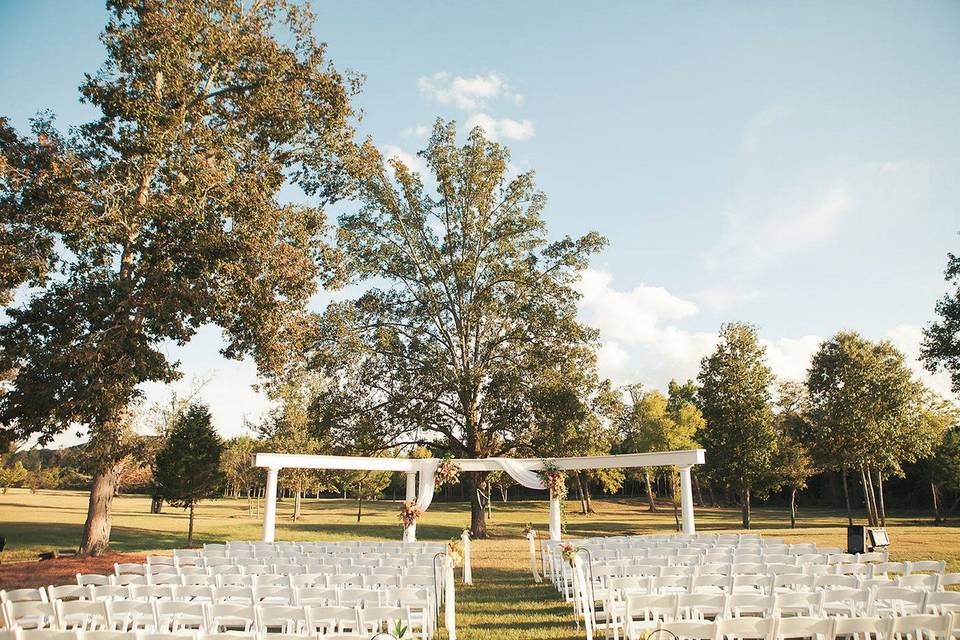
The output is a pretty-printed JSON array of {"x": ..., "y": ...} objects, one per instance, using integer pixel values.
[{"x": 503, "y": 603}]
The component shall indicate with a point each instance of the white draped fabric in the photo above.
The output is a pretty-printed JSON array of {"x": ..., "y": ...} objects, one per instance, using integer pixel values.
[
  {"x": 427, "y": 469},
  {"x": 520, "y": 472}
]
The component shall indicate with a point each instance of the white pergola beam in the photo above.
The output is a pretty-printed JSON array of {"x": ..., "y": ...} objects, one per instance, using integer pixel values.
[{"x": 359, "y": 463}]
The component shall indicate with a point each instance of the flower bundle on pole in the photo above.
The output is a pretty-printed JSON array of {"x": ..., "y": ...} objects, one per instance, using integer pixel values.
[
  {"x": 568, "y": 552},
  {"x": 455, "y": 551},
  {"x": 409, "y": 513},
  {"x": 448, "y": 472},
  {"x": 529, "y": 531},
  {"x": 554, "y": 478}
]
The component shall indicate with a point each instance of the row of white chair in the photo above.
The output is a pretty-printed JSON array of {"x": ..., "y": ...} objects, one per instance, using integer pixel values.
[
  {"x": 917, "y": 627},
  {"x": 232, "y": 594},
  {"x": 327, "y": 576},
  {"x": 171, "y": 616},
  {"x": 888, "y": 602},
  {"x": 77, "y": 634}
]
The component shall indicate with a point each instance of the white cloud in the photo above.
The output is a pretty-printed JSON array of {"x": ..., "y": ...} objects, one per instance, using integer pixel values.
[
  {"x": 907, "y": 338},
  {"x": 466, "y": 92},
  {"x": 505, "y": 128},
  {"x": 418, "y": 131},
  {"x": 413, "y": 162},
  {"x": 756, "y": 235}
]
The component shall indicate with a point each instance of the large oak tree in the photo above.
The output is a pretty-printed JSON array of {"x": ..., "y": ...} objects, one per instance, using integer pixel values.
[
  {"x": 162, "y": 214},
  {"x": 468, "y": 302}
]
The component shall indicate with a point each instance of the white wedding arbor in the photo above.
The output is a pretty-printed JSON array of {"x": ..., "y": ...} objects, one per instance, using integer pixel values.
[{"x": 523, "y": 470}]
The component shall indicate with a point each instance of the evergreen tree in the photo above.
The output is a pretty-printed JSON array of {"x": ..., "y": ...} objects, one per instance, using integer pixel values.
[{"x": 188, "y": 466}]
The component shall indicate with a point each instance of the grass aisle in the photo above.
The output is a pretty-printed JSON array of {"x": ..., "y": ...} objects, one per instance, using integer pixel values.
[{"x": 504, "y": 602}]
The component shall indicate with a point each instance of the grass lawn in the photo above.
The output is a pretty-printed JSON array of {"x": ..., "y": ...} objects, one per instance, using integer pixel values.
[{"x": 503, "y": 601}]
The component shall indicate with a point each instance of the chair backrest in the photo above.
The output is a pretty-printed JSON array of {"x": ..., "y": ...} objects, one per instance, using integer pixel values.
[
  {"x": 109, "y": 592},
  {"x": 804, "y": 627},
  {"x": 87, "y": 579},
  {"x": 131, "y": 615},
  {"x": 82, "y": 614},
  {"x": 331, "y": 619},
  {"x": 229, "y": 617},
  {"x": 48, "y": 634},
  {"x": 651, "y": 607},
  {"x": 941, "y": 602},
  {"x": 175, "y": 615},
  {"x": 743, "y": 628},
  {"x": 23, "y": 595},
  {"x": 794, "y": 581},
  {"x": 688, "y": 630},
  {"x": 739, "y": 604},
  {"x": 699, "y": 606},
  {"x": 922, "y": 566},
  {"x": 919, "y": 626},
  {"x": 919, "y": 581},
  {"x": 29, "y": 613},
  {"x": 802, "y": 603},
  {"x": 835, "y": 582},
  {"x": 290, "y": 619},
  {"x": 67, "y": 592},
  {"x": 233, "y": 595}
]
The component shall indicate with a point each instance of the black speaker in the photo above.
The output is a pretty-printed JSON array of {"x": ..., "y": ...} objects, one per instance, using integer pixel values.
[{"x": 856, "y": 539}]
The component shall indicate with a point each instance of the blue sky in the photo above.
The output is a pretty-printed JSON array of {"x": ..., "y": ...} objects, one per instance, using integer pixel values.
[{"x": 794, "y": 165}]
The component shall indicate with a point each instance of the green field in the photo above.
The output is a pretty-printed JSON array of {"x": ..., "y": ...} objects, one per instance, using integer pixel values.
[{"x": 502, "y": 603}]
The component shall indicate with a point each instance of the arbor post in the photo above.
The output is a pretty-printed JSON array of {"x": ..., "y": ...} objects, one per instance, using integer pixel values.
[
  {"x": 686, "y": 500},
  {"x": 270, "y": 508},
  {"x": 410, "y": 533},
  {"x": 555, "y": 525}
]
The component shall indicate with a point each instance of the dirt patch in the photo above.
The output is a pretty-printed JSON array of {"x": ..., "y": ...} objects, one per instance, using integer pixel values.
[{"x": 18, "y": 575}]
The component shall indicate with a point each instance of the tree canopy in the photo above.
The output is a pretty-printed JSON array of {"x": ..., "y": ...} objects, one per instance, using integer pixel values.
[
  {"x": 941, "y": 338},
  {"x": 165, "y": 213},
  {"x": 467, "y": 299},
  {"x": 735, "y": 384}
]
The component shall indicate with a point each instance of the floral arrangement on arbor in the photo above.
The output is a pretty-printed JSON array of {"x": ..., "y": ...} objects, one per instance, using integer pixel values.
[
  {"x": 409, "y": 513},
  {"x": 455, "y": 551},
  {"x": 554, "y": 478},
  {"x": 529, "y": 531},
  {"x": 448, "y": 472},
  {"x": 568, "y": 552}
]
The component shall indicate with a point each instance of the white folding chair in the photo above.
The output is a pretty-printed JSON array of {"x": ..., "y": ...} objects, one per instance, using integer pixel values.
[
  {"x": 179, "y": 616},
  {"x": 798, "y": 603},
  {"x": 23, "y": 595},
  {"x": 924, "y": 566},
  {"x": 376, "y": 619},
  {"x": 82, "y": 614},
  {"x": 748, "y": 604},
  {"x": 862, "y": 628},
  {"x": 942, "y": 602},
  {"x": 846, "y": 602},
  {"x": 744, "y": 628},
  {"x": 804, "y": 627},
  {"x": 835, "y": 582},
  {"x": 701, "y": 606},
  {"x": 288, "y": 619},
  {"x": 920, "y": 626},
  {"x": 29, "y": 614},
  {"x": 896, "y": 601},
  {"x": 132, "y": 615},
  {"x": 223, "y": 618},
  {"x": 329, "y": 620},
  {"x": 642, "y": 613},
  {"x": 688, "y": 630}
]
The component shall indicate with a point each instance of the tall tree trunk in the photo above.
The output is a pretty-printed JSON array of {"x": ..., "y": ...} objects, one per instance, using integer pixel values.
[
  {"x": 503, "y": 491},
  {"x": 696, "y": 488},
  {"x": 587, "y": 496},
  {"x": 674, "y": 498},
  {"x": 651, "y": 498},
  {"x": 793, "y": 507},
  {"x": 359, "y": 500},
  {"x": 296, "y": 503},
  {"x": 883, "y": 508},
  {"x": 478, "y": 520},
  {"x": 846, "y": 496},
  {"x": 96, "y": 529},
  {"x": 190, "y": 529},
  {"x": 745, "y": 507},
  {"x": 713, "y": 495},
  {"x": 936, "y": 503},
  {"x": 868, "y": 496},
  {"x": 581, "y": 494}
]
